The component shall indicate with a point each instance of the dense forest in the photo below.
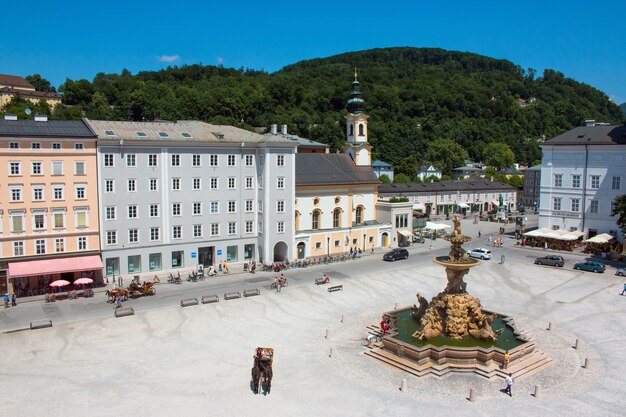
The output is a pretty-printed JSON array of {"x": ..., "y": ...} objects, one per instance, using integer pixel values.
[
  {"x": 415, "y": 97},
  {"x": 623, "y": 107}
]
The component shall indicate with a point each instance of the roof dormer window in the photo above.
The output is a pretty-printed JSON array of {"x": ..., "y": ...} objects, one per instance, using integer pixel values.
[
  {"x": 164, "y": 134},
  {"x": 141, "y": 134},
  {"x": 109, "y": 133}
]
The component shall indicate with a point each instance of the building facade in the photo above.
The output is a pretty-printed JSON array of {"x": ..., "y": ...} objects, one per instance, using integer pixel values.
[
  {"x": 382, "y": 168},
  {"x": 531, "y": 189},
  {"x": 582, "y": 172},
  {"x": 426, "y": 171},
  {"x": 11, "y": 85},
  {"x": 49, "y": 224},
  {"x": 181, "y": 194}
]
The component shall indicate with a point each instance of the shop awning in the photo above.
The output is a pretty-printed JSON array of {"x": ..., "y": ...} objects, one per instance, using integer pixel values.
[
  {"x": 462, "y": 205},
  {"x": 419, "y": 206},
  {"x": 495, "y": 203},
  {"x": 54, "y": 266},
  {"x": 601, "y": 238},
  {"x": 405, "y": 233}
]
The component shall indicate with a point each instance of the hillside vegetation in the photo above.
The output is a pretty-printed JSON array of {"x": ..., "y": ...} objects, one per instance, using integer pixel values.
[{"x": 414, "y": 96}]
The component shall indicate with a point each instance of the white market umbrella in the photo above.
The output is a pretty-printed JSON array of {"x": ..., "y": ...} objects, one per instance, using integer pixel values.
[{"x": 436, "y": 226}]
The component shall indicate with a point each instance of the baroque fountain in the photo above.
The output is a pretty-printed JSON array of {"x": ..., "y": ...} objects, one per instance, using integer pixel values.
[{"x": 453, "y": 333}]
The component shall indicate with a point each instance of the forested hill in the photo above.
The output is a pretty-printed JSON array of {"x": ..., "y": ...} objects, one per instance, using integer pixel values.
[
  {"x": 413, "y": 95},
  {"x": 623, "y": 107}
]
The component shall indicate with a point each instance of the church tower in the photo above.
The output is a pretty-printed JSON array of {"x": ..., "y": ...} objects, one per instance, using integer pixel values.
[{"x": 356, "y": 127}]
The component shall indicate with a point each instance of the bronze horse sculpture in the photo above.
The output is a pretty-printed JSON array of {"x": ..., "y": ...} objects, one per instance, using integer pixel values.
[{"x": 262, "y": 373}]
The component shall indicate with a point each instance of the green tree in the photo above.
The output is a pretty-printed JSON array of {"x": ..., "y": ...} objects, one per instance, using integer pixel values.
[
  {"x": 446, "y": 154},
  {"x": 384, "y": 178},
  {"x": 516, "y": 181},
  {"x": 401, "y": 178},
  {"x": 18, "y": 105},
  {"x": 40, "y": 83},
  {"x": 619, "y": 210},
  {"x": 498, "y": 155}
]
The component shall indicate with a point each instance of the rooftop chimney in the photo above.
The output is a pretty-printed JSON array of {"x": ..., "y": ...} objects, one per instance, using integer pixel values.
[
  {"x": 590, "y": 122},
  {"x": 274, "y": 129},
  {"x": 10, "y": 117},
  {"x": 41, "y": 118},
  {"x": 283, "y": 129}
]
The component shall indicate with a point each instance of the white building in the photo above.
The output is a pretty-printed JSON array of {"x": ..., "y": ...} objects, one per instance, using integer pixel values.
[{"x": 582, "y": 172}]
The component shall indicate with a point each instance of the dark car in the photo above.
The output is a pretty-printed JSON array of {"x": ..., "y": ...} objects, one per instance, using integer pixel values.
[
  {"x": 590, "y": 266},
  {"x": 395, "y": 254},
  {"x": 552, "y": 260}
]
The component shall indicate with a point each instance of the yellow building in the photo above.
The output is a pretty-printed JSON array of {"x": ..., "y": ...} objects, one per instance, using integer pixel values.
[{"x": 11, "y": 85}]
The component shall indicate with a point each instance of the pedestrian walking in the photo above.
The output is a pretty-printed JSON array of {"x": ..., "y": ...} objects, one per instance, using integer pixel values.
[
  {"x": 502, "y": 259},
  {"x": 118, "y": 301},
  {"x": 509, "y": 384},
  {"x": 507, "y": 357},
  {"x": 225, "y": 267},
  {"x": 489, "y": 240},
  {"x": 624, "y": 290},
  {"x": 545, "y": 245},
  {"x": 6, "y": 300},
  {"x": 372, "y": 249},
  {"x": 14, "y": 300},
  {"x": 479, "y": 234}
]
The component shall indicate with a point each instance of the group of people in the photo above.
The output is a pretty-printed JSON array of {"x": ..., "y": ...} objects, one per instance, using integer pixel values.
[
  {"x": 355, "y": 253},
  {"x": 12, "y": 299},
  {"x": 280, "y": 281},
  {"x": 495, "y": 242}
]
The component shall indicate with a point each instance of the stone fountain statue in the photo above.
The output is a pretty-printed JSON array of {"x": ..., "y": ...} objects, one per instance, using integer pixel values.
[{"x": 453, "y": 311}]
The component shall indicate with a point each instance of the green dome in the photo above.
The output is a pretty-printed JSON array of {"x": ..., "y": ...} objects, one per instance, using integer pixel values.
[{"x": 356, "y": 104}]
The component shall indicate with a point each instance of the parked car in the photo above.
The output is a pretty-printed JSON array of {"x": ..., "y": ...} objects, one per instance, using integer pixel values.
[
  {"x": 480, "y": 253},
  {"x": 398, "y": 253},
  {"x": 590, "y": 266},
  {"x": 552, "y": 260},
  {"x": 620, "y": 272}
]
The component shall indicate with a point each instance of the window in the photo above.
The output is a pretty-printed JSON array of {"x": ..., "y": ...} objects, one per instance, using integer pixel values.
[
  {"x": 108, "y": 160},
  {"x": 154, "y": 233},
  {"x": 132, "y": 185},
  {"x": 82, "y": 243},
  {"x": 213, "y": 160},
  {"x": 595, "y": 181},
  {"x": 260, "y": 227},
  {"x": 231, "y": 160},
  {"x": 37, "y": 192},
  {"x": 186, "y": 135},
  {"x": 35, "y": 145},
  {"x": 56, "y": 145},
  {"x": 260, "y": 182},
  {"x": 231, "y": 183},
  {"x": 59, "y": 220},
  {"x": 111, "y": 213},
  {"x": 132, "y": 212},
  {"x": 558, "y": 180},
  {"x": 177, "y": 232},
  {"x": 16, "y": 193},
  {"x": 359, "y": 215},
  {"x": 59, "y": 244},
  {"x": 164, "y": 135},
  {"x": 111, "y": 237},
  {"x": 131, "y": 160},
  {"x": 154, "y": 261},
  {"x": 14, "y": 145},
  {"x": 215, "y": 229},
  {"x": 109, "y": 133},
  {"x": 154, "y": 210},
  {"x": 177, "y": 258},
  {"x": 280, "y": 206},
  {"x": 249, "y": 206},
  {"x": 36, "y": 168},
  {"x": 175, "y": 184},
  {"x": 79, "y": 147},
  {"x": 197, "y": 184},
  {"x": 154, "y": 184},
  {"x": 249, "y": 160},
  {"x": 594, "y": 207},
  {"x": 337, "y": 217},
  {"x": 214, "y": 184},
  {"x": 175, "y": 160},
  {"x": 575, "y": 204},
  {"x": 80, "y": 191},
  {"x": 40, "y": 246},
  {"x": 17, "y": 222},
  {"x": 57, "y": 192},
  {"x": 15, "y": 168},
  {"x": 232, "y": 206},
  {"x": 249, "y": 226},
  {"x": 280, "y": 160},
  {"x": 197, "y": 230},
  {"x": 280, "y": 227},
  {"x": 616, "y": 183},
  {"x": 133, "y": 235},
  {"x": 249, "y": 182},
  {"x": 196, "y": 161},
  {"x": 79, "y": 167},
  {"x": 315, "y": 220},
  {"x": 260, "y": 206},
  {"x": 231, "y": 253},
  {"x": 152, "y": 160},
  {"x": 232, "y": 228},
  {"x": 175, "y": 209},
  {"x": 402, "y": 220},
  {"x": 280, "y": 183},
  {"x": 18, "y": 248},
  {"x": 575, "y": 181},
  {"x": 215, "y": 207},
  {"x": 197, "y": 208},
  {"x": 134, "y": 264},
  {"x": 109, "y": 186},
  {"x": 39, "y": 221},
  {"x": 556, "y": 203}
]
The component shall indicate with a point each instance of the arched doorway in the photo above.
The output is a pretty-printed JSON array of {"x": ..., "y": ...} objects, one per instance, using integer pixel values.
[
  {"x": 301, "y": 250},
  {"x": 486, "y": 207},
  {"x": 280, "y": 251},
  {"x": 384, "y": 240}
]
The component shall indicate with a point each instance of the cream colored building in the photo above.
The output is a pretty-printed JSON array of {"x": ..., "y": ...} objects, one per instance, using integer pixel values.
[{"x": 10, "y": 85}]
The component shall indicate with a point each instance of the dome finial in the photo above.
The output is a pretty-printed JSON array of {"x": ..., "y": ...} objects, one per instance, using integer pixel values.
[{"x": 355, "y": 74}]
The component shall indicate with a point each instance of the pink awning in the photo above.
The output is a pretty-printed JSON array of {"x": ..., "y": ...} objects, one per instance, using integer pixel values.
[{"x": 54, "y": 266}]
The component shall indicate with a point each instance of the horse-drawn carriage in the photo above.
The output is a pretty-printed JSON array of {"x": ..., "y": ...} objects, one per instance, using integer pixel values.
[
  {"x": 147, "y": 288},
  {"x": 262, "y": 369},
  {"x": 112, "y": 294}
]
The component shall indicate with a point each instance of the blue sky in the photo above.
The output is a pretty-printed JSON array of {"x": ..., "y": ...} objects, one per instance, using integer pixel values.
[{"x": 71, "y": 39}]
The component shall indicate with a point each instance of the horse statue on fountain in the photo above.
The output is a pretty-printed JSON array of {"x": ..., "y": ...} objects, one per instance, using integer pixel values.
[{"x": 262, "y": 370}]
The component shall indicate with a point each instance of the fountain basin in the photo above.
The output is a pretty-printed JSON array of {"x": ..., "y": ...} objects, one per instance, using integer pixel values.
[{"x": 457, "y": 266}]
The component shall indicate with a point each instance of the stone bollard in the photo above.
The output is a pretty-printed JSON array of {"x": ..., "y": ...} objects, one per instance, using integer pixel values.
[
  {"x": 549, "y": 326},
  {"x": 576, "y": 344},
  {"x": 403, "y": 385},
  {"x": 326, "y": 337},
  {"x": 330, "y": 355},
  {"x": 472, "y": 395},
  {"x": 587, "y": 362},
  {"x": 537, "y": 391}
]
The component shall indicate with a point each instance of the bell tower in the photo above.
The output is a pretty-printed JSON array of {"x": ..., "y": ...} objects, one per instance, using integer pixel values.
[{"x": 356, "y": 126}]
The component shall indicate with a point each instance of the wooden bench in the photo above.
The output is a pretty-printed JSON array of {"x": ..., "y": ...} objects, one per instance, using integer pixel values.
[
  {"x": 123, "y": 312},
  {"x": 335, "y": 288},
  {"x": 207, "y": 299},
  {"x": 232, "y": 295},
  {"x": 189, "y": 302},
  {"x": 40, "y": 324},
  {"x": 251, "y": 292},
  {"x": 320, "y": 281}
]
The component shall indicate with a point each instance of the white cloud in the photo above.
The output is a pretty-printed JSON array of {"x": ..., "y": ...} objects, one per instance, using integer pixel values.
[
  {"x": 168, "y": 58},
  {"x": 219, "y": 60}
]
